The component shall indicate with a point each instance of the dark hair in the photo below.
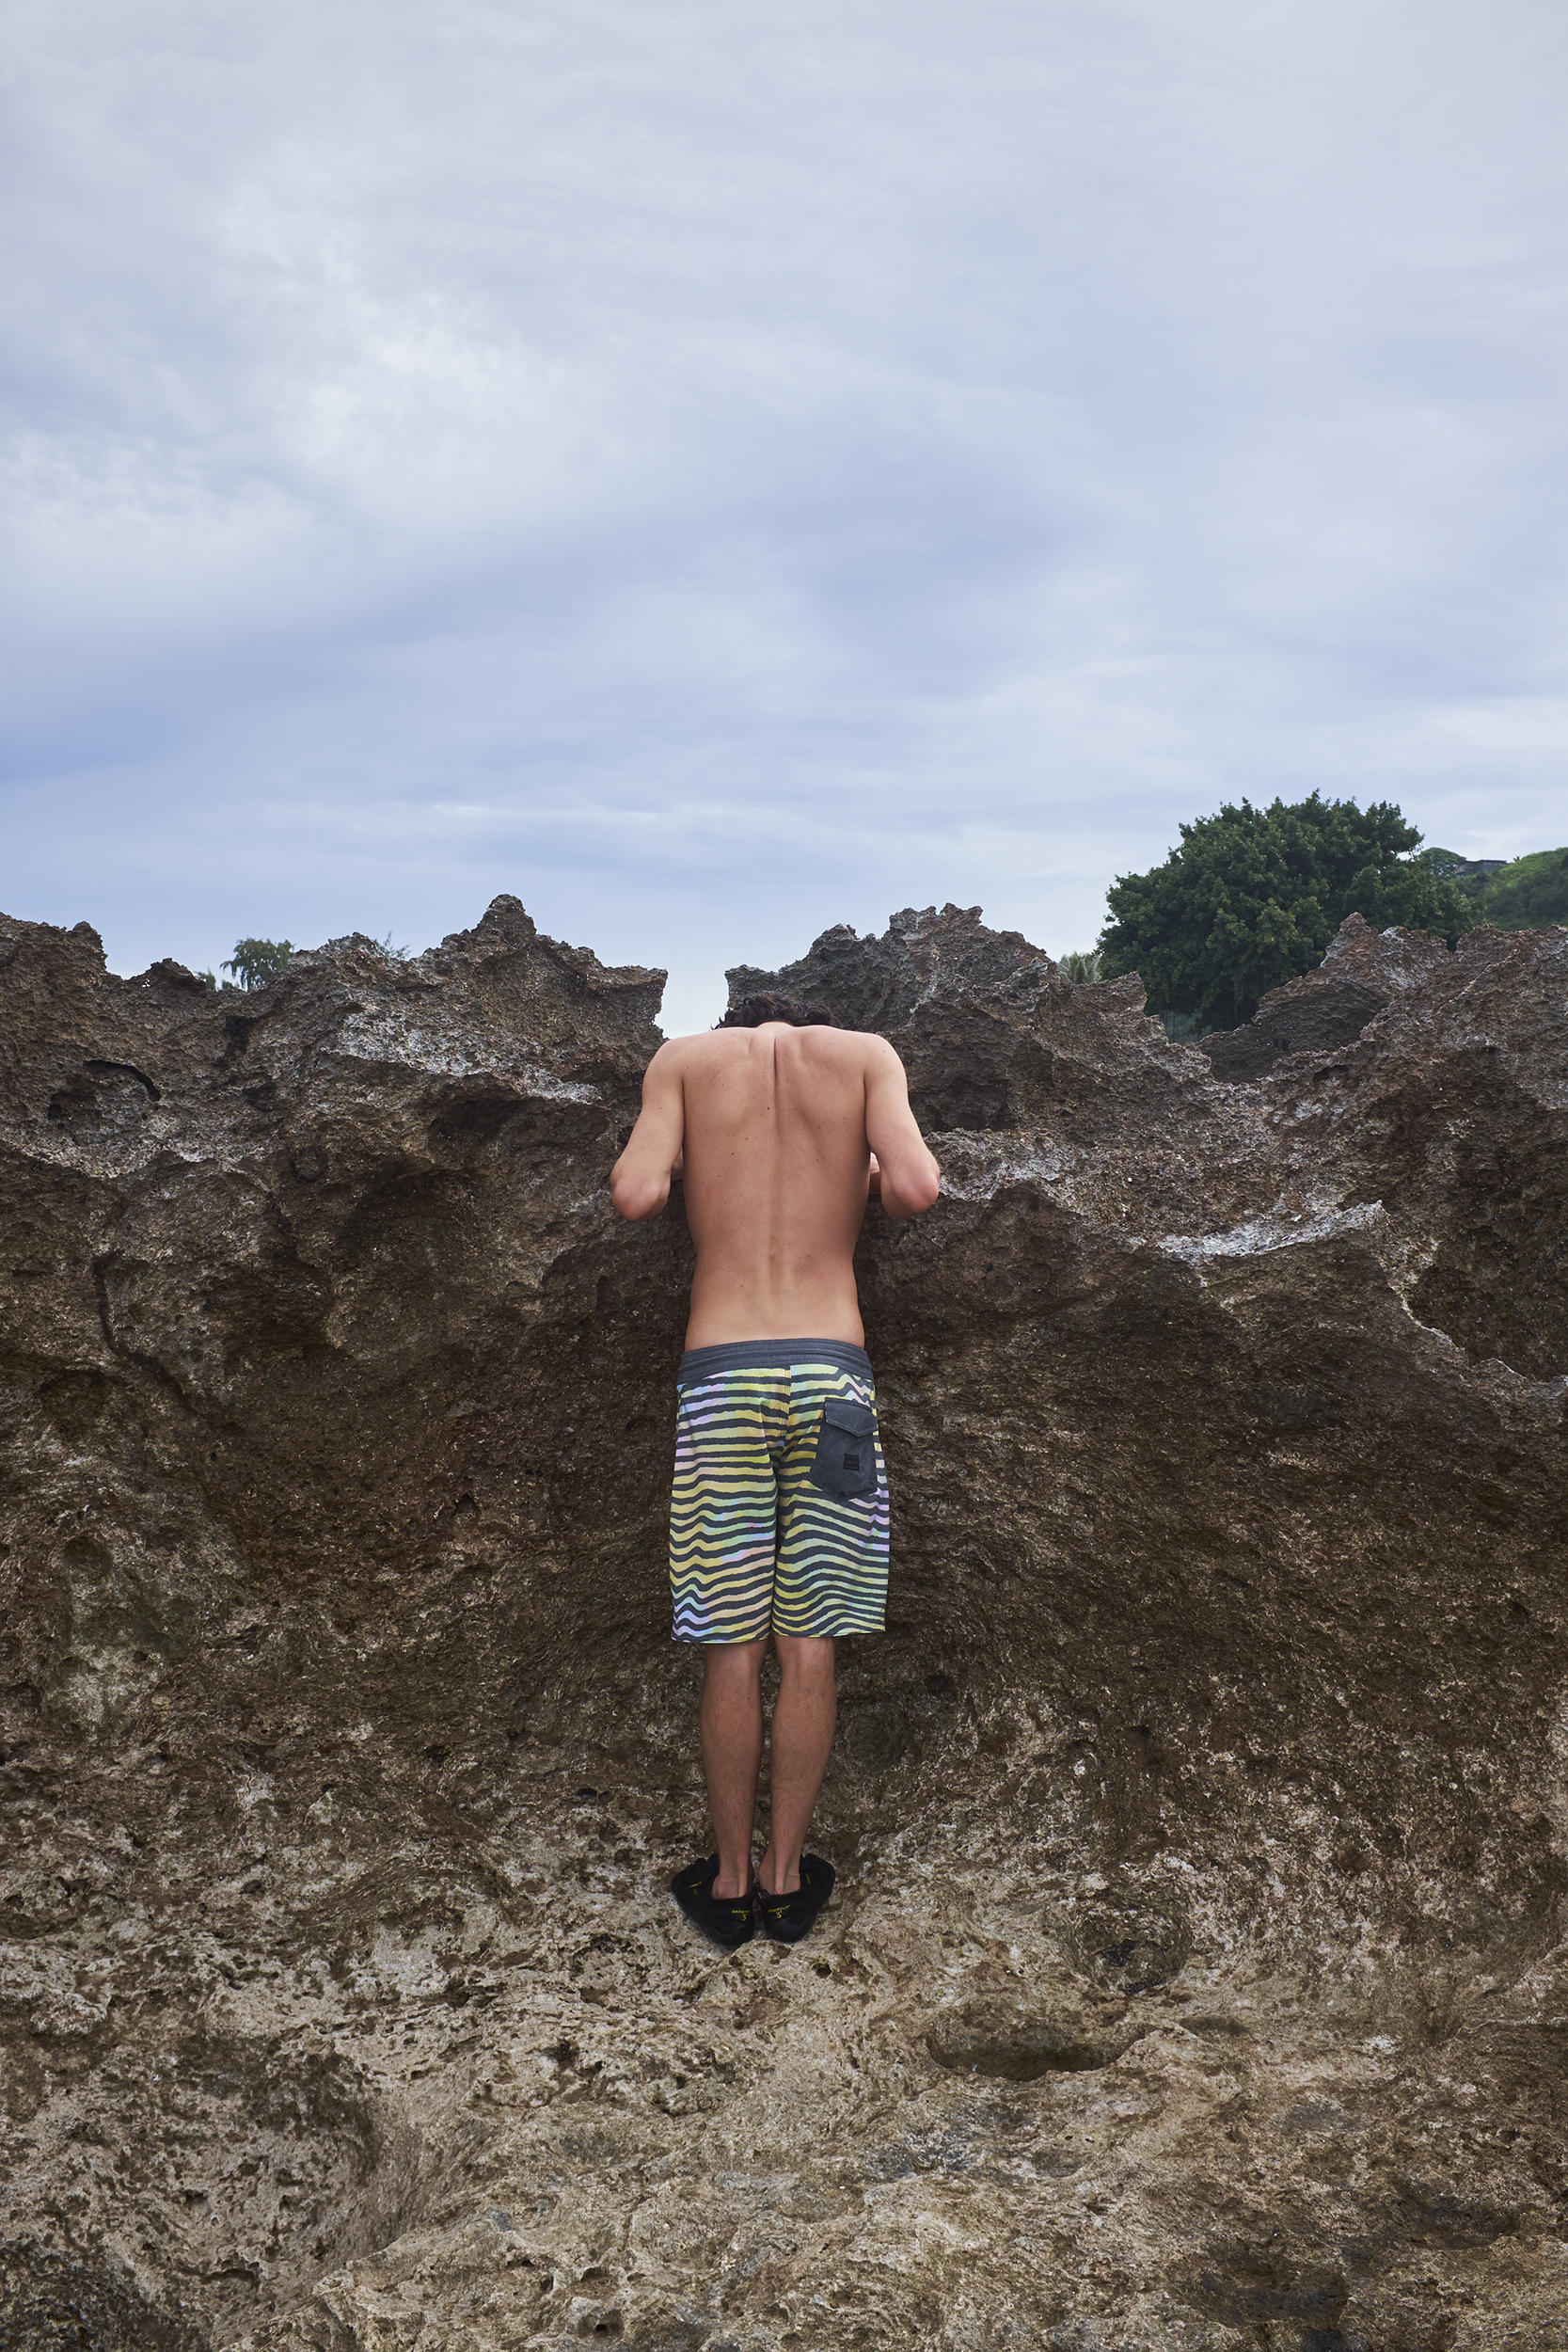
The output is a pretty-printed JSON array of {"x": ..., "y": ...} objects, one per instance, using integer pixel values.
[{"x": 752, "y": 1011}]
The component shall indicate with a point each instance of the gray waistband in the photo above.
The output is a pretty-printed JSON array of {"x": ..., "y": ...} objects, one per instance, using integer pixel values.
[{"x": 702, "y": 1363}]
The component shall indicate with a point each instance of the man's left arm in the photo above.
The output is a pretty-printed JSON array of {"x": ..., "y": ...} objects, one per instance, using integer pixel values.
[
  {"x": 908, "y": 1180},
  {"x": 640, "y": 1180}
]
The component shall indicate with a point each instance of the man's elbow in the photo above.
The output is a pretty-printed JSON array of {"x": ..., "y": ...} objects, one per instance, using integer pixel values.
[
  {"x": 636, "y": 1198},
  {"x": 915, "y": 1196}
]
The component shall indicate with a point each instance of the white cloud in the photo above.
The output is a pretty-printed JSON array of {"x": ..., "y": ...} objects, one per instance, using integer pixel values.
[{"x": 717, "y": 472}]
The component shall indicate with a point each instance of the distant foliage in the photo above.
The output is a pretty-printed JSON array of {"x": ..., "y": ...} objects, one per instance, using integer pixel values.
[
  {"x": 1444, "y": 863},
  {"x": 256, "y": 962},
  {"x": 1253, "y": 897},
  {"x": 1080, "y": 964},
  {"x": 1527, "y": 896}
]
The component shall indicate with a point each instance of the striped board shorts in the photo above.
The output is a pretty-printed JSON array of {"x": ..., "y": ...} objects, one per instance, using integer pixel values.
[{"x": 779, "y": 1510}]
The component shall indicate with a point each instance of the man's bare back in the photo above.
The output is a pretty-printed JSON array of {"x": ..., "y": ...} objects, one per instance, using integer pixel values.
[{"x": 780, "y": 1134}]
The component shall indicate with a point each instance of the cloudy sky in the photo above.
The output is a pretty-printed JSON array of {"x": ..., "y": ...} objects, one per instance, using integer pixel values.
[{"x": 717, "y": 470}]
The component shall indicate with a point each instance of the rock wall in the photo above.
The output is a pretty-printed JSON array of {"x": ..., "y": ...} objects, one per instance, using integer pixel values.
[{"x": 1197, "y": 1975}]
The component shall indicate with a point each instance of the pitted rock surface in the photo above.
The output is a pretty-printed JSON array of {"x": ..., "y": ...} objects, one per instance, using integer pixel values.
[
  {"x": 1196, "y": 1976},
  {"x": 1329, "y": 1005}
]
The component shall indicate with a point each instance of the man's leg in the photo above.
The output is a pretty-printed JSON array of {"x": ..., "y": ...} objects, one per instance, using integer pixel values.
[
  {"x": 731, "y": 1754},
  {"x": 805, "y": 1714}
]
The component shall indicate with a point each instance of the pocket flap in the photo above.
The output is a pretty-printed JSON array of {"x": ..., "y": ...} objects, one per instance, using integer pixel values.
[{"x": 858, "y": 1421}]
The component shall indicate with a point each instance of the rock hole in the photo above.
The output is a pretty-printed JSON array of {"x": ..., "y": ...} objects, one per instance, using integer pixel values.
[
  {"x": 1011, "y": 2043},
  {"x": 1132, "y": 1940}
]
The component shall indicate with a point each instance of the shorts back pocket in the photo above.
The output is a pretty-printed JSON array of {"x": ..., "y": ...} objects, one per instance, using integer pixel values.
[{"x": 845, "y": 1463}]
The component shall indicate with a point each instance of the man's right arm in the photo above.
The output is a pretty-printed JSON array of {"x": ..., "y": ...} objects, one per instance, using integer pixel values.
[
  {"x": 910, "y": 1179},
  {"x": 640, "y": 1180}
]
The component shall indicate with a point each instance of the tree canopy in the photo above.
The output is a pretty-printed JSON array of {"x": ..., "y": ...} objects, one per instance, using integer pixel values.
[
  {"x": 256, "y": 962},
  {"x": 1253, "y": 897}
]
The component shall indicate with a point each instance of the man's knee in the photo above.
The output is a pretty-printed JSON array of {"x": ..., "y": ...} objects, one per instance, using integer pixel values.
[
  {"x": 805, "y": 1657},
  {"x": 732, "y": 1664}
]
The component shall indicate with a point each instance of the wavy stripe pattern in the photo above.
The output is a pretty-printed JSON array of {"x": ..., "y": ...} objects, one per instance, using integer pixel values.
[{"x": 754, "y": 1548}]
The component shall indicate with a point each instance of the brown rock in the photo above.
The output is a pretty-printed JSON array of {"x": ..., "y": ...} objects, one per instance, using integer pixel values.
[
  {"x": 1195, "y": 1974},
  {"x": 1329, "y": 1005}
]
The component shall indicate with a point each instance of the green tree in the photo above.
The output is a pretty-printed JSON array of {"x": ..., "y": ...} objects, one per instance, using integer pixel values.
[
  {"x": 1253, "y": 897},
  {"x": 256, "y": 962}
]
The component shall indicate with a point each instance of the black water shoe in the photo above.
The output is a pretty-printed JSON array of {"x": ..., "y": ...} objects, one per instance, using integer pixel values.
[
  {"x": 727, "y": 1920},
  {"x": 787, "y": 1917}
]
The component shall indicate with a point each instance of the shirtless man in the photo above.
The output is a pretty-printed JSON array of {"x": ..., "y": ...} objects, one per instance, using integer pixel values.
[{"x": 780, "y": 1125}]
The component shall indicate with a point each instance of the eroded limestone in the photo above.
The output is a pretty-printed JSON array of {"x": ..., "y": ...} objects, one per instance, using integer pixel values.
[{"x": 1196, "y": 1976}]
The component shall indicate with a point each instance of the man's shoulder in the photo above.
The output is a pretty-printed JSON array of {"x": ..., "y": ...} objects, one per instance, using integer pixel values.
[
  {"x": 678, "y": 1053},
  {"x": 866, "y": 1046},
  {"x": 860, "y": 1050},
  {"x": 693, "y": 1047},
  {"x": 698, "y": 1060},
  {"x": 718, "y": 1045},
  {"x": 714, "y": 1048}
]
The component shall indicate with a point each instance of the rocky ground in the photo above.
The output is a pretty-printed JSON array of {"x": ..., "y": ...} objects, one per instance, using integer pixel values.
[{"x": 1197, "y": 1977}]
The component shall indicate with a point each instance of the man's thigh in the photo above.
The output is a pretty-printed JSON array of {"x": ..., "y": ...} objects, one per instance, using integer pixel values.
[
  {"x": 832, "y": 1576},
  {"x": 723, "y": 1506}
]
